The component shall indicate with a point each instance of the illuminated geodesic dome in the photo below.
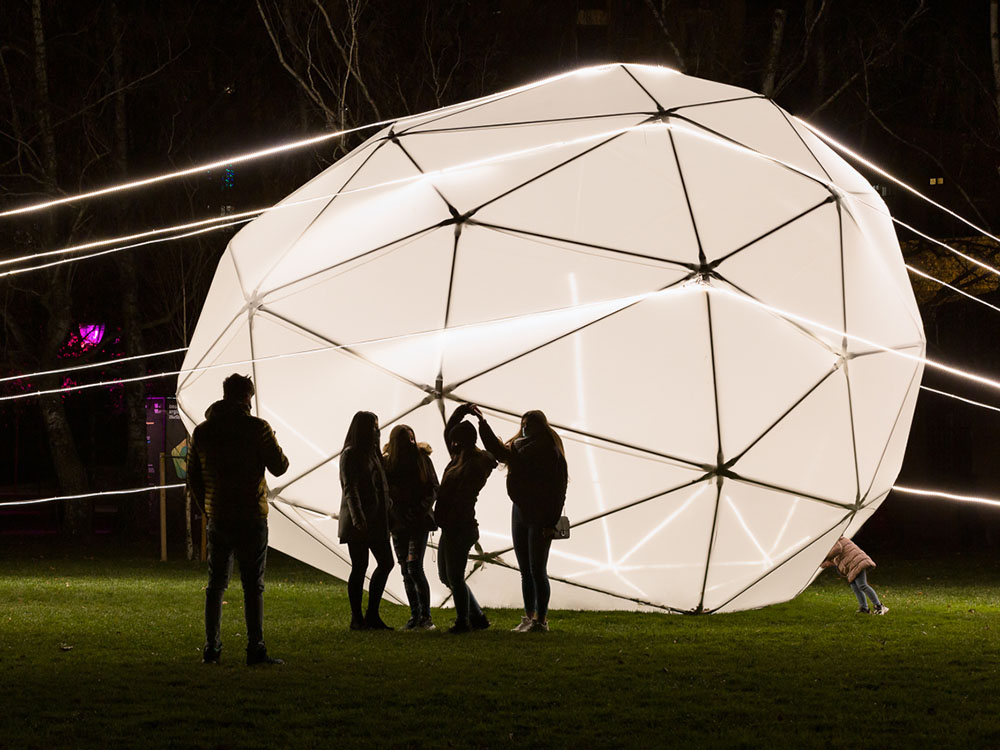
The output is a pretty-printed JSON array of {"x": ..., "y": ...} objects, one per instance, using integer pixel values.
[{"x": 708, "y": 303}]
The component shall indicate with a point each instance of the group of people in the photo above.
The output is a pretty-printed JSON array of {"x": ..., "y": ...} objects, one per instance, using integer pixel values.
[{"x": 391, "y": 500}]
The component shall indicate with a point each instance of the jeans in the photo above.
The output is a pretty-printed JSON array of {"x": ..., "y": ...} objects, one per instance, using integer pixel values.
[
  {"x": 860, "y": 587},
  {"x": 247, "y": 541},
  {"x": 359, "y": 567},
  {"x": 532, "y": 551},
  {"x": 453, "y": 555},
  {"x": 410, "y": 548}
]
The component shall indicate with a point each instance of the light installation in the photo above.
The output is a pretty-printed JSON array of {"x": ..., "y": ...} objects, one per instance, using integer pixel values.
[{"x": 598, "y": 270}]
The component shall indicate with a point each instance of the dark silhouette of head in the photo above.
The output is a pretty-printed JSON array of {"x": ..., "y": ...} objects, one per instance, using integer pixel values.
[
  {"x": 535, "y": 426},
  {"x": 462, "y": 437},
  {"x": 402, "y": 454},
  {"x": 363, "y": 432},
  {"x": 238, "y": 388}
]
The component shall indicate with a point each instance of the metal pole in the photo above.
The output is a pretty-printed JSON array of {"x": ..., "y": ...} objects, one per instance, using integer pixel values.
[{"x": 163, "y": 508}]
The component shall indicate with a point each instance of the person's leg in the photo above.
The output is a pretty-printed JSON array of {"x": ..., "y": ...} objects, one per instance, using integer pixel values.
[
  {"x": 356, "y": 580},
  {"x": 457, "y": 557},
  {"x": 538, "y": 556},
  {"x": 383, "y": 566},
  {"x": 251, "y": 552},
  {"x": 862, "y": 581},
  {"x": 519, "y": 535},
  {"x": 856, "y": 588},
  {"x": 401, "y": 544},
  {"x": 415, "y": 568},
  {"x": 220, "y": 566}
]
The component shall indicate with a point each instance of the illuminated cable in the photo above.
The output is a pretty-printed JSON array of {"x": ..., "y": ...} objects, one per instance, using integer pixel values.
[
  {"x": 960, "y": 398},
  {"x": 103, "y": 493},
  {"x": 859, "y": 158},
  {"x": 947, "y": 495},
  {"x": 118, "y": 361},
  {"x": 239, "y": 158},
  {"x": 927, "y": 276}
]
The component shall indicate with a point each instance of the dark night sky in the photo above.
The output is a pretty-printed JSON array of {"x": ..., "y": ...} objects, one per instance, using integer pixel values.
[{"x": 203, "y": 80}]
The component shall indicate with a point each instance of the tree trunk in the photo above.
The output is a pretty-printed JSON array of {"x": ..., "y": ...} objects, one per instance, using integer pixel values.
[
  {"x": 69, "y": 468},
  {"x": 135, "y": 409},
  {"x": 774, "y": 51}
]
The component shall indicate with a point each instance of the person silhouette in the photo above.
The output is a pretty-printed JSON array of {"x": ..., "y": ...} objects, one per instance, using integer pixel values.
[{"x": 226, "y": 460}]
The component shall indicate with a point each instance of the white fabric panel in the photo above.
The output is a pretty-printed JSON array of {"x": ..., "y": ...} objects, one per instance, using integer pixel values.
[
  {"x": 613, "y": 344},
  {"x": 592, "y": 200},
  {"x": 875, "y": 415},
  {"x": 591, "y": 92},
  {"x": 490, "y": 283},
  {"x": 876, "y": 310},
  {"x": 230, "y": 353},
  {"x": 797, "y": 269},
  {"x": 757, "y": 124},
  {"x": 862, "y": 516},
  {"x": 473, "y": 167},
  {"x": 224, "y": 302},
  {"x": 788, "y": 580},
  {"x": 811, "y": 450},
  {"x": 842, "y": 174},
  {"x": 736, "y": 195},
  {"x": 757, "y": 531},
  {"x": 263, "y": 242},
  {"x": 390, "y": 200},
  {"x": 658, "y": 382},
  {"x": 671, "y": 89},
  {"x": 764, "y": 365}
]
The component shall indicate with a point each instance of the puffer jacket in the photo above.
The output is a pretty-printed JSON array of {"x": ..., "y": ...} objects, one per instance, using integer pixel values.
[
  {"x": 410, "y": 500},
  {"x": 848, "y": 558},
  {"x": 536, "y": 475},
  {"x": 364, "y": 504},
  {"x": 226, "y": 460}
]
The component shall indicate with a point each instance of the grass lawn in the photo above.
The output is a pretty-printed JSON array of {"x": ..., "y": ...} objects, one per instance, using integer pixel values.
[{"x": 106, "y": 653}]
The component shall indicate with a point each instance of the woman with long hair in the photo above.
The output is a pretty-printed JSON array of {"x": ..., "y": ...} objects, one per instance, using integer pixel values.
[
  {"x": 364, "y": 519},
  {"x": 536, "y": 484},
  {"x": 455, "y": 513},
  {"x": 413, "y": 485}
]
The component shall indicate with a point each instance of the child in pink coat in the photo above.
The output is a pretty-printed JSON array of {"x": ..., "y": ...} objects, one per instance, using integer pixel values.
[{"x": 851, "y": 563}]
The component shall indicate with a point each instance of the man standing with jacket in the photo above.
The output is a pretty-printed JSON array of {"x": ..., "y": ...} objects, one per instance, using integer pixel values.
[{"x": 226, "y": 461}]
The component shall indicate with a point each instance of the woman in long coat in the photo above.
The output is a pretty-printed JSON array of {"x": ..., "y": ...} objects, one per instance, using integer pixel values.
[{"x": 364, "y": 518}]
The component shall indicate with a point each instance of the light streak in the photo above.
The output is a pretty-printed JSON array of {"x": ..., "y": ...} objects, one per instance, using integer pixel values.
[
  {"x": 947, "y": 495},
  {"x": 959, "y": 398},
  {"x": 926, "y": 275},
  {"x": 874, "y": 167},
  {"x": 106, "y": 363},
  {"x": 766, "y": 562},
  {"x": 102, "y": 493},
  {"x": 282, "y": 148}
]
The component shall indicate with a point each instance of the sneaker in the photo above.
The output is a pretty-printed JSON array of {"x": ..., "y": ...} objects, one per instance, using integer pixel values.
[
  {"x": 523, "y": 626},
  {"x": 426, "y": 623},
  {"x": 863, "y": 611},
  {"x": 538, "y": 626},
  {"x": 881, "y": 610},
  {"x": 255, "y": 658},
  {"x": 211, "y": 655},
  {"x": 412, "y": 624},
  {"x": 479, "y": 622},
  {"x": 459, "y": 627}
]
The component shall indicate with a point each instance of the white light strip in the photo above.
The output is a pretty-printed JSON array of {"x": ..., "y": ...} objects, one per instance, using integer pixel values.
[
  {"x": 959, "y": 398},
  {"x": 109, "y": 251},
  {"x": 104, "y": 493},
  {"x": 947, "y": 495},
  {"x": 239, "y": 158},
  {"x": 927, "y": 276},
  {"x": 862, "y": 160},
  {"x": 234, "y": 159},
  {"x": 106, "y": 363},
  {"x": 766, "y": 562},
  {"x": 949, "y": 248}
]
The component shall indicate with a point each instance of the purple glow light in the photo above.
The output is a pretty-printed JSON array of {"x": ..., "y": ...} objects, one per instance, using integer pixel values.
[{"x": 92, "y": 334}]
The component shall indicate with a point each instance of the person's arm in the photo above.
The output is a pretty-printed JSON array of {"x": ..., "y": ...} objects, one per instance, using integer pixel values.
[
  {"x": 195, "y": 477},
  {"x": 491, "y": 442},
  {"x": 274, "y": 457},
  {"x": 456, "y": 416},
  {"x": 349, "y": 480},
  {"x": 430, "y": 495}
]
